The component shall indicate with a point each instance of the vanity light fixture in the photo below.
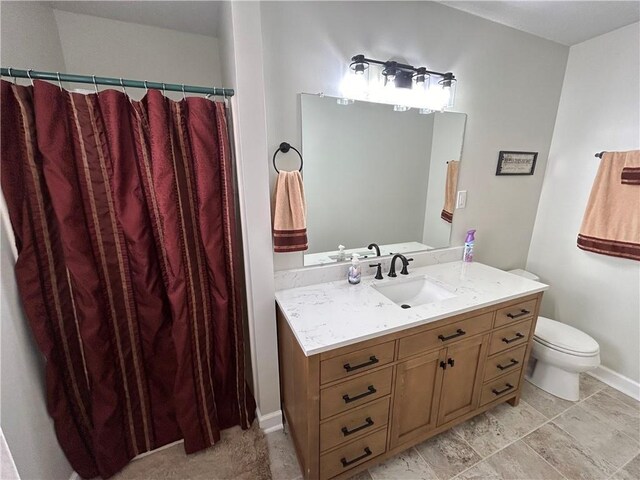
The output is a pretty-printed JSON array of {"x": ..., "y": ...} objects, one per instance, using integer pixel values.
[{"x": 401, "y": 85}]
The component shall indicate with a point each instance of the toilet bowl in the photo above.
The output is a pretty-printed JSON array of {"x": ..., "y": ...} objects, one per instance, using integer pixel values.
[{"x": 560, "y": 353}]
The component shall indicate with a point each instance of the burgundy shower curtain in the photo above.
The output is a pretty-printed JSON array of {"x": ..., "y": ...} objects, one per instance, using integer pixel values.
[{"x": 124, "y": 221}]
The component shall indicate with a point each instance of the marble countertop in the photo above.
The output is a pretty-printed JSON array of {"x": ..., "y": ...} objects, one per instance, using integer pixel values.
[{"x": 335, "y": 314}]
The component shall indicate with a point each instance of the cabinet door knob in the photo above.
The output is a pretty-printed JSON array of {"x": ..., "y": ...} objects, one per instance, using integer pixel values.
[
  {"x": 346, "y": 463},
  {"x": 443, "y": 365},
  {"x": 372, "y": 361},
  {"x": 370, "y": 391},
  {"x": 509, "y": 340},
  {"x": 451, "y": 361}
]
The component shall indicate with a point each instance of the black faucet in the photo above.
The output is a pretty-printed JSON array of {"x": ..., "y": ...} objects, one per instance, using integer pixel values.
[
  {"x": 378, "y": 271},
  {"x": 376, "y": 247},
  {"x": 405, "y": 264}
]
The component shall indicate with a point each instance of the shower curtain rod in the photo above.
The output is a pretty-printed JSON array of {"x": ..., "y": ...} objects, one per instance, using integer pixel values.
[{"x": 114, "y": 82}]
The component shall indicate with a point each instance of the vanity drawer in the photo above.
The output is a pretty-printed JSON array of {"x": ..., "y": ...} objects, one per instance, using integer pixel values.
[
  {"x": 353, "y": 454},
  {"x": 505, "y": 362},
  {"x": 431, "y": 339},
  {"x": 500, "y": 387},
  {"x": 354, "y": 424},
  {"x": 515, "y": 313},
  {"x": 510, "y": 336},
  {"x": 351, "y": 363},
  {"x": 353, "y": 393}
]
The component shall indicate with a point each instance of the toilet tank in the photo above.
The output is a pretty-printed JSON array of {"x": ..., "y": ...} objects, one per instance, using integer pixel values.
[{"x": 525, "y": 274}]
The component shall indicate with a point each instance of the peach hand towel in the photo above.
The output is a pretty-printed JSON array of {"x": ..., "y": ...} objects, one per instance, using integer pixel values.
[
  {"x": 450, "y": 188},
  {"x": 611, "y": 224},
  {"x": 289, "y": 214},
  {"x": 631, "y": 170}
]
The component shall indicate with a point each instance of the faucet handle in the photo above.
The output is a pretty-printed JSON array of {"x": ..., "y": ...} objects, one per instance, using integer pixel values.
[
  {"x": 404, "y": 270},
  {"x": 378, "y": 271}
]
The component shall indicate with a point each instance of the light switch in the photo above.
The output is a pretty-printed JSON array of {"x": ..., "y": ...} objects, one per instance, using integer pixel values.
[{"x": 461, "y": 201}]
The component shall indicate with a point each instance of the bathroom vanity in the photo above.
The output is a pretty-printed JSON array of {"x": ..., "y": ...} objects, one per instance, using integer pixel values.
[{"x": 363, "y": 378}]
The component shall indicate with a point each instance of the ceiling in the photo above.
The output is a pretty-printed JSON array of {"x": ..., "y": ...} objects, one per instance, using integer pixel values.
[
  {"x": 192, "y": 17},
  {"x": 565, "y": 22}
]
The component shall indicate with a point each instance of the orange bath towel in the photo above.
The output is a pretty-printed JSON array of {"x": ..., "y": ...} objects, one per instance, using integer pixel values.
[
  {"x": 611, "y": 224},
  {"x": 631, "y": 170},
  {"x": 289, "y": 214},
  {"x": 450, "y": 188}
]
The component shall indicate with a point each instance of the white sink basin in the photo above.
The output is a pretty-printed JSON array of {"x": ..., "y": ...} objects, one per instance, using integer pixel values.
[{"x": 414, "y": 292}]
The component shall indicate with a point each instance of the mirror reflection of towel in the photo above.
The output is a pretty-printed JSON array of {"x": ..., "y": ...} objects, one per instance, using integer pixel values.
[
  {"x": 611, "y": 224},
  {"x": 289, "y": 214},
  {"x": 450, "y": 189}
]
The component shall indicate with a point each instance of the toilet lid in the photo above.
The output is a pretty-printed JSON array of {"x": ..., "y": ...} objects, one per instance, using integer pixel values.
[{"x": 564, "y": 338}]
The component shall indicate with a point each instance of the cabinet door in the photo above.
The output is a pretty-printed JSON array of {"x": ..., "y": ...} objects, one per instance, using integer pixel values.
[
  {"x": 462, "y": 379},
  {"x": 417, "y": 392}
]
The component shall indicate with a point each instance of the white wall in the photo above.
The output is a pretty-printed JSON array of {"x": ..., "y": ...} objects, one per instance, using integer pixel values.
[
  {"x": 598, "y": 111},
  {"x": 448, "y": 135},
  {"x": 509, "y": 84},
  {"x": 110, "y": 48},
  {"x": 29, "y": 39},
  {"x": 241, "y": 54}
]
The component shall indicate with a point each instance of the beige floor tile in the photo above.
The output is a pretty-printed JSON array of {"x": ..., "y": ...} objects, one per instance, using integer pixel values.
[
  {"x": 499, "y": 426},
  {"x": 568, "y": 457},
  {"x": 547, "y": 404},
  {"x": 601, "y": 438},
  {"x": 631, "y": 471},
  {"x": 284, "y": 463},
  {"x": 618, "y": 395},
  {"x": 516, "y": 462},
  {"x": 609, "y": 410},
  {"x": 447, "y": 454},
  {"x": 361, "y": 476},
  {"x": 589, "y": 385},
  {"x": 407, "y": 465}
]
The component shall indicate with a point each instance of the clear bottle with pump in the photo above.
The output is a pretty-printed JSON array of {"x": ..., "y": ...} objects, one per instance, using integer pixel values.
[
  {"x": 354, "y": 270},
  {"x": 341, "y": 255},
  {"x": 467, "y": 256}
]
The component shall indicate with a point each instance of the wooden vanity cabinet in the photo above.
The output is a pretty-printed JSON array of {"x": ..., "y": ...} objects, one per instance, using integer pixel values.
[{"x": 352, "y": 407}]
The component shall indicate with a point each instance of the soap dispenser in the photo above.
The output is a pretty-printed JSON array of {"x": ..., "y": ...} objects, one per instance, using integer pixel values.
[
  {"x": 341, "y": 255},
  {"x": 354, "y": 270}
]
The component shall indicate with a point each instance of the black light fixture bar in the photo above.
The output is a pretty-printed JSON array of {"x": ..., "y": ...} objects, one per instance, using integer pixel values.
[{"x": 362, "y": 60}]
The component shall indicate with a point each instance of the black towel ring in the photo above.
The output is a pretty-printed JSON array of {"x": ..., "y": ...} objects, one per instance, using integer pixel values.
[{"x": 284, "y": 148}]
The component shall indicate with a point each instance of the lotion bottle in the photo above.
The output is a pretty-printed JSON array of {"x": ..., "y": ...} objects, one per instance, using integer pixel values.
[{"x": 354, "y": 270}]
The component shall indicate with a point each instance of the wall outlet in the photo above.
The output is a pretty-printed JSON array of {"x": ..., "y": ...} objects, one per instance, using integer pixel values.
[{"x": 461, "y": 201}]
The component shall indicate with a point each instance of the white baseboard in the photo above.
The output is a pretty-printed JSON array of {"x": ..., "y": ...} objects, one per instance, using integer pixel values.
[
  {"x": 270, "y": 422},
  {"x": 617, "y": 381}
]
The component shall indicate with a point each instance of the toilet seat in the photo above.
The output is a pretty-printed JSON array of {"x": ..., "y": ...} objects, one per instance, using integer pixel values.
[{"x": 565, "y": 338}]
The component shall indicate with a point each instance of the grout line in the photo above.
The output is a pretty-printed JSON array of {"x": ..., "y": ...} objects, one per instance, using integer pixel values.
[
  {"x": 543, "y": 459},
  {"x": 625, "y": 434},
  {"x": 618, "y": 470}
]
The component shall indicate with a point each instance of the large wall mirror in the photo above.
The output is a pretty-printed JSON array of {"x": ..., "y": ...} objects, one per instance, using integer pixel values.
[{"x": 376, "y": 175}]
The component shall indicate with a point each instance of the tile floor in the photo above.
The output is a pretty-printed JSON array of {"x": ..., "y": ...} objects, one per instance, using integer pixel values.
[{"x": 544, "y": 437}]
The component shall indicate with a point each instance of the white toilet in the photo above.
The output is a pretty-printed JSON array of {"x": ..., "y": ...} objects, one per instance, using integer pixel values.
[{"x": 560, "y": 353}]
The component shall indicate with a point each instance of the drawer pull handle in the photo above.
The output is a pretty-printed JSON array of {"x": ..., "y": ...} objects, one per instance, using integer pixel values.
[
  {"x": 346, "y": 463},
  {"x": 372, "y": 361},
  {"x": 509, "y": 340},
  {"x": 370, "y": 391},
  {"x": 505, "y": 389},
  {"x": 458, "y": 333},
  {"x": 513, "y": 363},
  {"x": 522, "y": 313},
  {"x": 367, "y": 423}
]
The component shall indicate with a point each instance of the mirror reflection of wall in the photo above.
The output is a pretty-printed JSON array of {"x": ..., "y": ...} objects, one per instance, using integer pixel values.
[{"x": 374, "y": 175}]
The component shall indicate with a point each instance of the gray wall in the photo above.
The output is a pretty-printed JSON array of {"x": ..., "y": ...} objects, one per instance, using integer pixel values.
[
  {"x": 595, "y": 293},
  {"x": 29, "y": 40},
  {"x": 509, "y": 85},
  {"x": 365, "y": 173}
]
